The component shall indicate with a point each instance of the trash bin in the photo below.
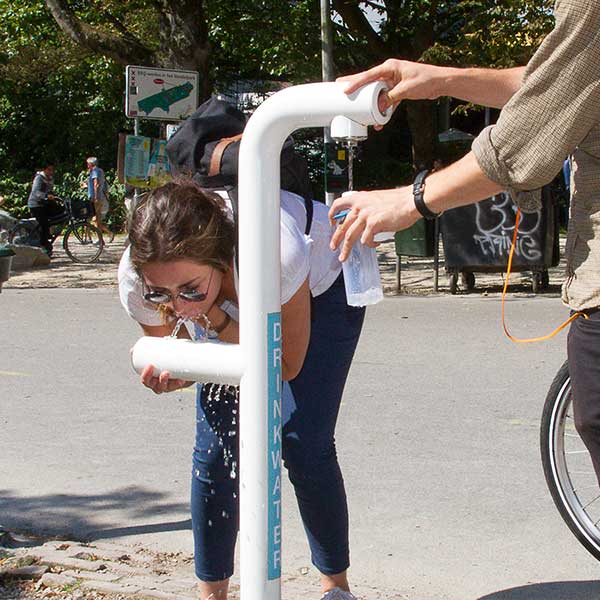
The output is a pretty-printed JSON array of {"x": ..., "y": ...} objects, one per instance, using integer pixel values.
[
  {"x": 6, "y": 256},
  {"x": 478, "y": 238},
  {"x": 417, "y": 240}
]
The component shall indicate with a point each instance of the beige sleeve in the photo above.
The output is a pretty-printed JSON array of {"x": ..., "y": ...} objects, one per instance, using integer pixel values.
[{"x": 556, "y": 107}]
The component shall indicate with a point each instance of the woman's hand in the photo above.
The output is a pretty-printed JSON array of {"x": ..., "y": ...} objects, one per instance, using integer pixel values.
[{"x": 162, "y": 383}]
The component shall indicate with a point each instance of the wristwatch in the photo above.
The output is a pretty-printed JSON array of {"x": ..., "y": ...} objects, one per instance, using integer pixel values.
[{"x": 418, "y": 189}]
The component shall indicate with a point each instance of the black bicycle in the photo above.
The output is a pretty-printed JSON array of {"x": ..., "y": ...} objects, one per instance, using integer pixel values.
[
  {"x": 568, "y": 467},
  {"x": 82, "y": 241}
]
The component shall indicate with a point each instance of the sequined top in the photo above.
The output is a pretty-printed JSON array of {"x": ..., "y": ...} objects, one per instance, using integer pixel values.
[{"x": 556, "y": 113}]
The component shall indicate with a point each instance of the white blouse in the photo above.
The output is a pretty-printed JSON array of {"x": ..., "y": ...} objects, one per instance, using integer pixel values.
[{"x": 302, "y": 256}]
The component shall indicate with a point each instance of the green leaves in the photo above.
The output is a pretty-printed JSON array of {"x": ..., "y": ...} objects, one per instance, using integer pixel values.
[{"x": 65, "y": 99}]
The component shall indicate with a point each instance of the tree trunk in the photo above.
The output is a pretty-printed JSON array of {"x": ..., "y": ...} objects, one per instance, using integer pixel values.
[
  {"x": 183, "y": 38},
  {"x": 124, "y": 48},
  {"x": 422, "y": 121}
]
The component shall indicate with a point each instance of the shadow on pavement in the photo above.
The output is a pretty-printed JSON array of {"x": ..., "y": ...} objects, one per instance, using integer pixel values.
[
  {"x": 556, "y": 590},
  {"x": 122, "y": 512},
  {"x": 102, "y": 534}
]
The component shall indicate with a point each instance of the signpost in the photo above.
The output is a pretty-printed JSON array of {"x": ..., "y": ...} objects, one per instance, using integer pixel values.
[
  {"x": 163, "y": 94},
  {"x": 158, "y": 94}
]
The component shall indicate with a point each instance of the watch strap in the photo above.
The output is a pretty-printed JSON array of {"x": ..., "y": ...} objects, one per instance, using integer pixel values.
[{"x": 418, "y": 189}]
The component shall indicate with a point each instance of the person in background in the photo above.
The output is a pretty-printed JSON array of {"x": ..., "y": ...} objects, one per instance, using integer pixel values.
[
  {"x": 41, "y": 202},
  {"x": 97, "y": 193},
  {"x": 550, "y": 109}
]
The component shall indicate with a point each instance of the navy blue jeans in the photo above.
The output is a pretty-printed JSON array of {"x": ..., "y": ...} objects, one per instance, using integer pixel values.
[{"x": 310, "y": 408}]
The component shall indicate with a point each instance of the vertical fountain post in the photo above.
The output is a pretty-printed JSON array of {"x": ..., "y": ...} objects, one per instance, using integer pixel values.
[{"x": 310, "y": 105}]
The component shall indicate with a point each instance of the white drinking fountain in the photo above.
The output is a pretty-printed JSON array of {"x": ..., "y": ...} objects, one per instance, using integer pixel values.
[{"x": 255, "y": 363}]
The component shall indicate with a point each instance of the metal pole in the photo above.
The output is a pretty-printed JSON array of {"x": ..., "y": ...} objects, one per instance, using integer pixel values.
[
  {"x": 136, "y": 131},
  {"x": 436, "y": 254},
  {"x": 326, "y": 42},
  {"x": 327, "y": 75}
]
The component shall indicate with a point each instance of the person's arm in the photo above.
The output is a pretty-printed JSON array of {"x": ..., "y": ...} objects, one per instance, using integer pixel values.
[
  {"x": 96, "y": 187},
  {"x": 295, "y": 331},
  {"x": 418, "y": 81},
  {"x": 459, "y": 184}
]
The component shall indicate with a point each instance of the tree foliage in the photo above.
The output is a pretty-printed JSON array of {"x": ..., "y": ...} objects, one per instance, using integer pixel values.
[
  {"x": 62, "y": 61},
  {"x": 492, "y": 33}
]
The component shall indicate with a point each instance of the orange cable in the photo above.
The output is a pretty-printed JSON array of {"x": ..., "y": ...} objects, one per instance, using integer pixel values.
[{"x": 508, "y": 269}]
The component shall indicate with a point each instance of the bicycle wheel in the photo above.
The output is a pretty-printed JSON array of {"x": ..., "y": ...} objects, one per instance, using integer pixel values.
[
  {"x": 82, "y": 242},
  {"x": 567, "y": 465}
]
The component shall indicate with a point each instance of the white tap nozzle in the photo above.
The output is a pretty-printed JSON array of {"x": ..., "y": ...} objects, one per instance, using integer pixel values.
[{"x": 344, "y": 129}]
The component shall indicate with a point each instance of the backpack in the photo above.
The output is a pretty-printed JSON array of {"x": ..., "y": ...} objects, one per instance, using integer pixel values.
[{"x": 207, "y": 146}]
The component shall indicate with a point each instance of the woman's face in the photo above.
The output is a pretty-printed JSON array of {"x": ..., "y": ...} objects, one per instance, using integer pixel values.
[{"x": 177, "y": 276}]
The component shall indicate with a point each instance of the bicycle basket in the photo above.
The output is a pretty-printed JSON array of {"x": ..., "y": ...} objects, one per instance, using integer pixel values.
[{"x": 79, "y": 209}]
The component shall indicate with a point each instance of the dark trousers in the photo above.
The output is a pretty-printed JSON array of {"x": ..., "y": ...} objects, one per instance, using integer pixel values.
[
  {"x": 584, "y": 370},
  {"x": 310, "y": 405},
  {"x": 42, "y": 214}
]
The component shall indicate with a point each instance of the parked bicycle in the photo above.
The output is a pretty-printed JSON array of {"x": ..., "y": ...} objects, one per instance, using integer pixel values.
[
  {"x": 82, "y": 241},
  {"x": 568, "y": 467}
]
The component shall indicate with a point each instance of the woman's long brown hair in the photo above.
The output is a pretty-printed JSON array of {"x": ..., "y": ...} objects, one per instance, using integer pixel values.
[{"x": 181, "y": 221}]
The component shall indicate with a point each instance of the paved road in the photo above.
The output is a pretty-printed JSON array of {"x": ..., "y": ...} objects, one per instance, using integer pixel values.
[{"x": 438, "y": 440}]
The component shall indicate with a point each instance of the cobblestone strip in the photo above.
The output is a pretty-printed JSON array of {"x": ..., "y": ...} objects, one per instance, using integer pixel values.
[
  {"x": 114, "y": 571},
  {"x": 76, "y": 571}
]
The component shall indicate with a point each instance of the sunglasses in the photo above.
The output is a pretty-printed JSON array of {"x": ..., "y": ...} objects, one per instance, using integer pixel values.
[{"x": 156, "y": 297}]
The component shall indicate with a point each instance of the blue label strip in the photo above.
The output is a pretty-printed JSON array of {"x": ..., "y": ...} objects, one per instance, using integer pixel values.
[{"x": 274, "y": 447}]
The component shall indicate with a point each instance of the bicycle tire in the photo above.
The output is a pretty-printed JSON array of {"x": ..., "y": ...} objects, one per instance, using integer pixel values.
[
  {"x": 82, "y": 242},
  {"x": 567, "y": 466}
]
